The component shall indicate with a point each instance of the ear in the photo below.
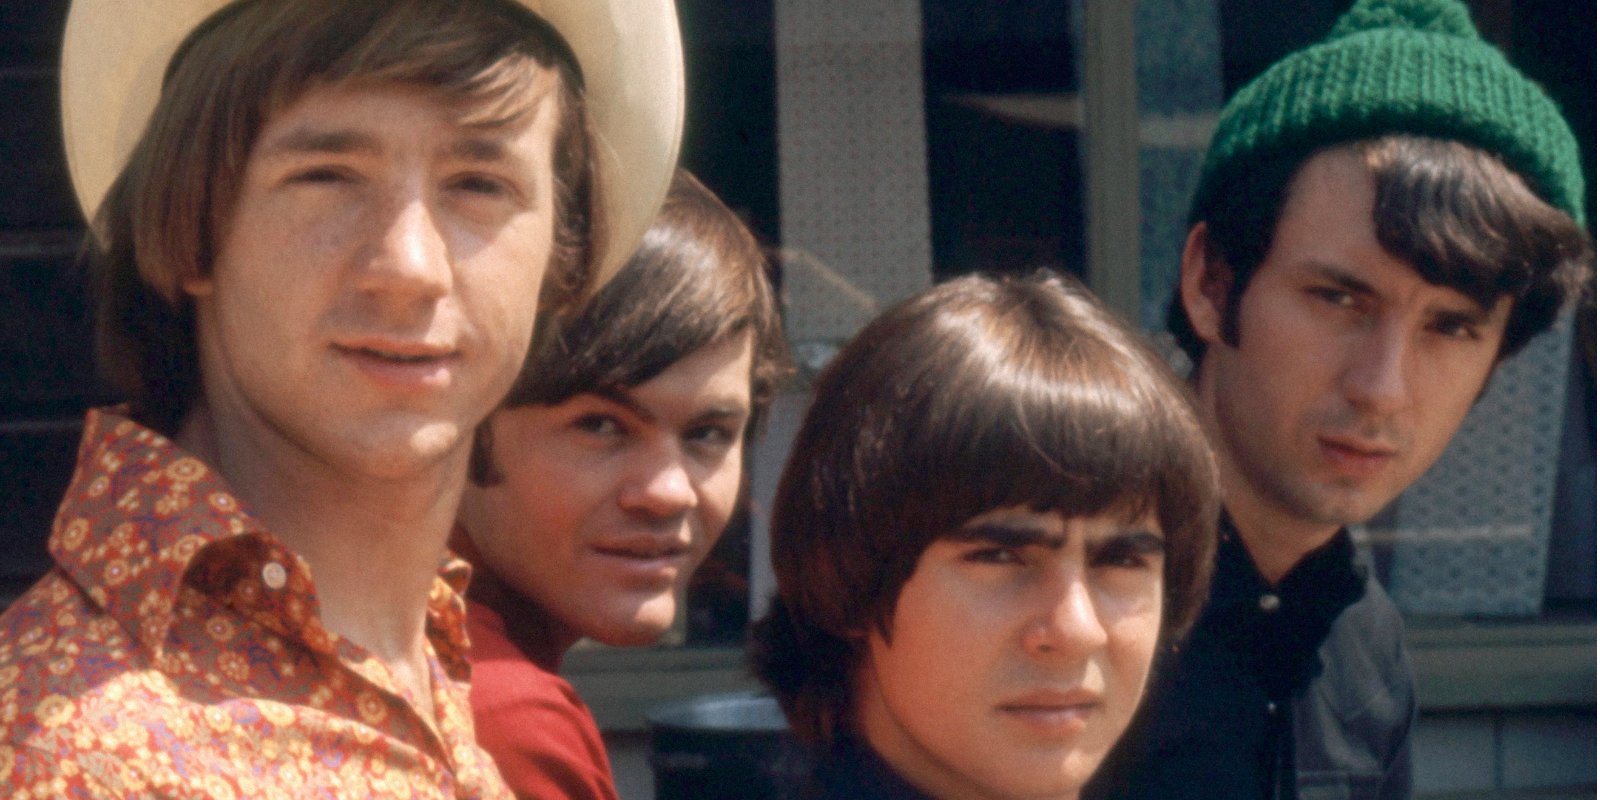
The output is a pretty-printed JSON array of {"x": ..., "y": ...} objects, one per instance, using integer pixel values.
[
  {"x": 196, "y": 285},
  {"x": 1204, "y": 281}
]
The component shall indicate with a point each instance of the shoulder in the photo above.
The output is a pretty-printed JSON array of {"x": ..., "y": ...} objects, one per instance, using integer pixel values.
[
  {"x": 1370, "y": 630},
  {"x": 68, "y": 666},
  {"x": 539, "y": 732}
]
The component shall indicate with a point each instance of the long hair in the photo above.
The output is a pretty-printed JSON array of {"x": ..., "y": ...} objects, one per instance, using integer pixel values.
[{"x": 162, "y": 218}]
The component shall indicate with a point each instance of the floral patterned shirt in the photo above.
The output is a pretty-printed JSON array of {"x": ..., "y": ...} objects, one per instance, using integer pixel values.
[{"x": 176, "y": 651}]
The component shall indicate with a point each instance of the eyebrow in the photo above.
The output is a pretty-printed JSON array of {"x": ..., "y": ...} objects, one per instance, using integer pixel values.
[
  {"x": 478, "y": 148},
  {"x": 1005, "y": 535},
  {"x": 311, "y": 140},
  {"x": 1339, "y": 276},
  {"x": 304, "y": 140},
  {"x": 1335, "y": 274},
  {"x": 1138, "y": 539},
  {"x": 621, "y": 396}
]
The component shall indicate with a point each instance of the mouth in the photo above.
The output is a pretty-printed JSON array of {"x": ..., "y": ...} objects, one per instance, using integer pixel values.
[
  {"x": 643, "y": 548},
  {"x": 1052, "y": 712},
  {"x": 400, "y": 363},
  {"x": 645, "y": 560},
  {"x": 1356, "y": 456}
]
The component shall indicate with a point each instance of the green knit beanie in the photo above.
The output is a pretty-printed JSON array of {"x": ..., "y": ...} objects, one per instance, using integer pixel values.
[{"x": 1397, "y": 66}]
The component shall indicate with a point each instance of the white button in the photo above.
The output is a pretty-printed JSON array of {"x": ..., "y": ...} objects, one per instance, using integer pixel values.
[
  {"x": 1269, "y": 602},
  {"x": 274, "y": 575},
  {"x": 1272, "y": 708}
]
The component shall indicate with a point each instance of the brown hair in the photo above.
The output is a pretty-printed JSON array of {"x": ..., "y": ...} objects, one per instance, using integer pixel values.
[
  {"x": 977, "y": 394},
  {"x": 698, "y": 278},
  {"x": 162, "y": 219},
  {"x": 1459, "y": 216}
]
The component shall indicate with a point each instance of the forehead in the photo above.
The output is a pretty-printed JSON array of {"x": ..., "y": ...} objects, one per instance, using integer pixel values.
[
  {"x": 1050, "y": 523},
  {"x": 390, "y": 119},
  {"x": 1327, "y": 229}
]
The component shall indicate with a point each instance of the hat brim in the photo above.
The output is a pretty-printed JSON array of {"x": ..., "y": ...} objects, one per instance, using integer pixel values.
[{"x": 115, "y": 52}]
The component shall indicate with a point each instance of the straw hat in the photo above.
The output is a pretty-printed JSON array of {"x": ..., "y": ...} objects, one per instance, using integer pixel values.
[{"x": 115, "y": 52}]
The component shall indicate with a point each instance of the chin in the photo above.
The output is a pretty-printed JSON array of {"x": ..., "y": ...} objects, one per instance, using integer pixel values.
[
  {"x": 642, "y": 628},
  {"x": 632, "y": 635}
]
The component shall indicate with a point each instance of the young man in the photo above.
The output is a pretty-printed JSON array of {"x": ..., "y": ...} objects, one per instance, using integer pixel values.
[
  {"x": 317, "y": 267},
  {"x": 607, "y": 476},
  {"x": 998, "y": 504},
  {"x": 1381, "y": 219}
]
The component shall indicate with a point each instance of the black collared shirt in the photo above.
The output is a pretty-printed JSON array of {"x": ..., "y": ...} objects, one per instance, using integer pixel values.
[
  {"x": 852, "y": 770},
  {"x": 1299, "y": 691}
]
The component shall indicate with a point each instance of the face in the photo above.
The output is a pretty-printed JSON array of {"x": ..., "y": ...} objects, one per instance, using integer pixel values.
[
  {"x": 1351, "y": 372},
  {"x": 609, "y": 502},
  {"x": 375, "y": 287},
  {"x": 1016, "y": 654}
]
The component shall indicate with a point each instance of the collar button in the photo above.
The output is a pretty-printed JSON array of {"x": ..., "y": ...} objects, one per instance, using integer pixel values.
[
  {"x": 274, "y": 575},
  {"x": 1269, "y": 602}
]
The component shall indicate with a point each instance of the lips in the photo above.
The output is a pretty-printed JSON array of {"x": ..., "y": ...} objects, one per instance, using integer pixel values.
[
  {"x": 643, "y": 561},
  {"x": 1052, "y": 712},
  {"x": 1355, "y": 456},
  {"x": 643, "y": 547},
  {"x": 400, "y": 363}
]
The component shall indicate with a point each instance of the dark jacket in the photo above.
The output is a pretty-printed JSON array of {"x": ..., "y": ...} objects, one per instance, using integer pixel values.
[
  {"x": 850, "y": 770},
  {"x": 1299, "y": 691}
]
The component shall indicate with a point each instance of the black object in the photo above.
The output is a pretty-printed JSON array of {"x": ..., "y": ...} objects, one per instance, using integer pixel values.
[{"x": 732, "y": 746}]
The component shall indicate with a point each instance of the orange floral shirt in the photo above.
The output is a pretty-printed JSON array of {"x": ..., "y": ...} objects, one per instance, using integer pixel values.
[{"x": 176, "y": 651}]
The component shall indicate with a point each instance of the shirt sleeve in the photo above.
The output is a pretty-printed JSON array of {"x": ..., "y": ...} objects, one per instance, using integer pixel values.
[
  {"x": 1397, "y": 778},
  {"x": 542, "y": 737}
]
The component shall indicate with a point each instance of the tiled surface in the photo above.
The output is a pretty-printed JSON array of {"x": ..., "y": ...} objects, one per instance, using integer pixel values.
[
  {"x": 1454, "y": 752},
  {"x": 852, "y": 160},
  {"x": 1548, "y": 749},
  {"x": 1510, "y": 751}
]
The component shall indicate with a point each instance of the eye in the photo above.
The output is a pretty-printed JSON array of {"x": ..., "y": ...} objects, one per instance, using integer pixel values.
[
  {"x": 319, "y": 175},
  {"x": 993, "y": 554},
  {"x": 482, "y": 185},
  {"x": 712, "y": 438},
  {"x": 598, "y": 425},
  {"x": 1333, "y": 296},
  {"x": 1133, "y": 552},
  {"x": 1456, "y": 326}
]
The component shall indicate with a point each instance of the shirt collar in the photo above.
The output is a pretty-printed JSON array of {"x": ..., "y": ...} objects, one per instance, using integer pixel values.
[
  {"x": 851, "y": 768},
  {"x": 1323, "y": 577},
  {"x": 142, "y": 520},
  {"x": 137, "y": 514}
]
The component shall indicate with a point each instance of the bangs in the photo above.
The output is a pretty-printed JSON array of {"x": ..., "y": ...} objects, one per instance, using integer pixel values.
[
  {"x": 495, "y": 56},
  {"x": 1074, "y": 426},
  {"x": 1455, "y": 213}
]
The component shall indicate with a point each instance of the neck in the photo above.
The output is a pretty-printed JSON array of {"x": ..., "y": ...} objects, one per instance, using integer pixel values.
[
  {"x": 1276, "y": 538},
  {"x": 539, "y": 635},
  {"x": 1276, "y": 542},
  {"x": 373, "y": 545}
]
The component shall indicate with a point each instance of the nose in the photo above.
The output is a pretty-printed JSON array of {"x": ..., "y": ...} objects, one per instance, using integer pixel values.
[
  {"x": 410, "y": 258},
  {"x": 1375, "y": 377},
  {"x": 1068, "y": 626},
  {"x": 660, "y": 487}
]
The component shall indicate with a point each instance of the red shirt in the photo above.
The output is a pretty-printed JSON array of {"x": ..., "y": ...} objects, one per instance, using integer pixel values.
[
  {"x": 541, "y": 735},
  {"x": 176, "y": 650}
]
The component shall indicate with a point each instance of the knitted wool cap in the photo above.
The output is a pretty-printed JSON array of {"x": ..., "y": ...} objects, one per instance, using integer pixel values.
[{"x": 1397, "y": 66}]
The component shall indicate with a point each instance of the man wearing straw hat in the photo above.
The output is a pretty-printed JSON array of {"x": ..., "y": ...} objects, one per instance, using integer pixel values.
[
  {"x": 320, "y": 235},
  {"x": 1382, "y": 217}
]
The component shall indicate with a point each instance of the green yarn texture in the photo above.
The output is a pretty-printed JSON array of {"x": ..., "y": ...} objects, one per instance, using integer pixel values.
[{"x": 1399, "y": 66}]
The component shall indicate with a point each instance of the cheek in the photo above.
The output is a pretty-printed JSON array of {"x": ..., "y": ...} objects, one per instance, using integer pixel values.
[
  {"x": 718, "y": 496},
  {"x": 1133, "y": 628},
  {"x": 506, "y": 276},
  {"x": 515, "y": 537}
]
